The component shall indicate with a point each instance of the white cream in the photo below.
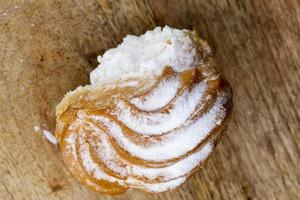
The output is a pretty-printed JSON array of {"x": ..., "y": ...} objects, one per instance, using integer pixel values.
[{"x": 146, "y": 54}]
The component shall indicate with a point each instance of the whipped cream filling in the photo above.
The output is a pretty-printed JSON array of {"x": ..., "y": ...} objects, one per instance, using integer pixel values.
[{"x": 147, "y": 54}]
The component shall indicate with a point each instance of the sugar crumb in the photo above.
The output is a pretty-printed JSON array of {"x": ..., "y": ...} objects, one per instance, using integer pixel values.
[
  {"x": 47, "y": 134},
  {"x": 36, "y": 128}
]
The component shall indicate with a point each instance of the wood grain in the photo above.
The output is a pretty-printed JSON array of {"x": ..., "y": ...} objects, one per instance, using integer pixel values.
[{"x": 49, "y": 47}]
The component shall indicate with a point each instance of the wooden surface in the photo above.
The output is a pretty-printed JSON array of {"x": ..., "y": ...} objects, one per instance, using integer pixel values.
[{"x": 48, "y": 48}]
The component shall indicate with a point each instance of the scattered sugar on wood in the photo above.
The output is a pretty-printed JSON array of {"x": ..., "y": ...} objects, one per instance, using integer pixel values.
[{"x": 47, "y": 134}]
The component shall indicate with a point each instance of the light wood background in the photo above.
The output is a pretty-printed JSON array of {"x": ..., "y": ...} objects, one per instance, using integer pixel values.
[{"x": 49, "y": 47}]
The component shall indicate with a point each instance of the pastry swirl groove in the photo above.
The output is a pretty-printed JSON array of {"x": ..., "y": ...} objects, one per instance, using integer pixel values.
[{"x": 150, "y": 136}]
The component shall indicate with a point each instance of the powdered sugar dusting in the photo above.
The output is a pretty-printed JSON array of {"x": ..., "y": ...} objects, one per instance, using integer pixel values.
[
  {"x": 108, "y": 155},
  {"x": 194, "y": 121},
  {"x": 178, "y": 169},
  {"x": 91, "y": 166},
  {"x": 156, "y": 187},
  {"x": 99, "y": 174},
  {"x": 157, "y": 123},
  {"x": 187, "y": 137},
  {"x": 165, "y": 91}
]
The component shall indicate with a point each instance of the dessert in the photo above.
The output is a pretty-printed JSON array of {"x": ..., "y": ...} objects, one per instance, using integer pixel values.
[{"x": 156, "y": 108}]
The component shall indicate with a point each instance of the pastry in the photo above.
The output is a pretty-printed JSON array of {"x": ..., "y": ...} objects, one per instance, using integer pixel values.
[{"x": 155, "y": 110}]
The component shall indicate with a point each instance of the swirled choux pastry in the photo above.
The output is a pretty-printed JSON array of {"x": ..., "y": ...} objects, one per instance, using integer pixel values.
[{"x": 155, "y": 110}]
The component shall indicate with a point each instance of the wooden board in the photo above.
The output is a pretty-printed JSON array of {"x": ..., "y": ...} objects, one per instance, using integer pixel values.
[{"x": 49, "y": 47}]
